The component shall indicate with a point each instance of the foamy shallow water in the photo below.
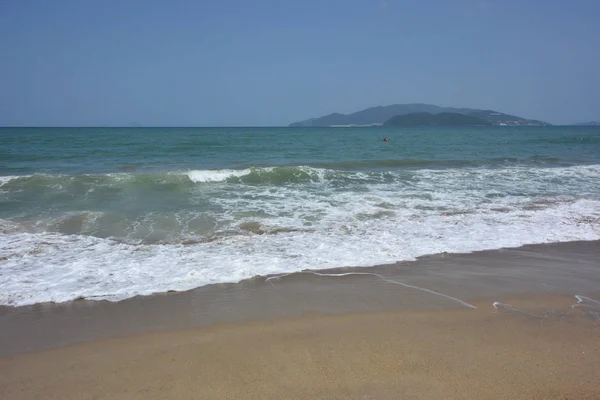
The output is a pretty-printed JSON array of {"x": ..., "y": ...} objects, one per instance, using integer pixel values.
[{"x": 265, "y": 230}]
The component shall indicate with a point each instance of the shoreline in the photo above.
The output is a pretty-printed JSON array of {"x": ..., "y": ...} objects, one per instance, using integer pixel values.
[
  {"x": 343, "y": 270},
  {"x": 434, "y": 282}
]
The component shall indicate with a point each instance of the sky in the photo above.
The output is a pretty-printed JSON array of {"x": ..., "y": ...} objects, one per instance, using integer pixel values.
[{"x": 273, "y": 62}]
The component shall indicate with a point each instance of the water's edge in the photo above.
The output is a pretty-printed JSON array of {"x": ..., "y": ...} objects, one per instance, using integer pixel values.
[{"x": 431, "y": 282}]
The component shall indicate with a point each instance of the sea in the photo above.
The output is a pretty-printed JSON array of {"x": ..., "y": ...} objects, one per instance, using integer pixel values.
[{"x": 111, "y": 213}]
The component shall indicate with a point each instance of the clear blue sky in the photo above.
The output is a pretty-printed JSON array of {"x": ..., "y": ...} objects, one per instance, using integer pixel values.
[{"x": 233, "y": 62}]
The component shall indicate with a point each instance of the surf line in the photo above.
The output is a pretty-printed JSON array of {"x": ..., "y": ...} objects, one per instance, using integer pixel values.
[
  {"x": 582, "y": 299},
  {"x": 497, "y": 305},
  {"x": 395, "y": 282}
]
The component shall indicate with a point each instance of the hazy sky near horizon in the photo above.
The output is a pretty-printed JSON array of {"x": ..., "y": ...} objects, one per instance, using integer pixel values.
[{"x": 233, "y": 62}]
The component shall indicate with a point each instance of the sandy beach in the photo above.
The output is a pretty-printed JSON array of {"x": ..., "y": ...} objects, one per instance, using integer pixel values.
[{"x": 506, "y": 324}]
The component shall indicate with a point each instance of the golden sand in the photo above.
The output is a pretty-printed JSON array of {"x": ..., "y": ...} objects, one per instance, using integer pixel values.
[{"x": 541, "y": 349}]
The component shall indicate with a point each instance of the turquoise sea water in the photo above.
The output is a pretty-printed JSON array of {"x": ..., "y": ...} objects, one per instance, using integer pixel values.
[{"x": 115, "y": 212}]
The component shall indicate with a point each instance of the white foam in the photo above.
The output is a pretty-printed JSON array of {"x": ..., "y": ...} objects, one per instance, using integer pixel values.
[
  {"x": 5, "y": 179},
  {"x": 325, "y": 226},
  {"x": 7, "y": 227},
  {"x": 590, "y": 306},
  {"x": 584, "y": 301},
  {"x": 219, "y": 175},
  {"x": 497, "y": 305}
]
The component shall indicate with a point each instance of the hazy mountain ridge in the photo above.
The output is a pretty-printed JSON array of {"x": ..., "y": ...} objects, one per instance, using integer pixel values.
[
  {"x": 441, "y": 119},
  {"x": 381, "y": 114}
]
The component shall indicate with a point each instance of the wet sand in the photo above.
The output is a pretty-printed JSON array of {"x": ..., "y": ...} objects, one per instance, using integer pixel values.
[{"x": 407, "y": 332}]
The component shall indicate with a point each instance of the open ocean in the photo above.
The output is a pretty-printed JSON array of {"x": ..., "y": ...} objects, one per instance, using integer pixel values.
[{"x": 110, "y": 213}]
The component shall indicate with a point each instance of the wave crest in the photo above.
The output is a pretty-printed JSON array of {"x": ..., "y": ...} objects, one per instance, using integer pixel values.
[
  {"x": 83, "y": 184},
  {"x": 220, "y": 175}
]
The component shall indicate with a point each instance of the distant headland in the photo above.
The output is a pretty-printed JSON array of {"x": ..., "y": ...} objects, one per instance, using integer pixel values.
[
  {"x": 441, "y": 119},
  {"x": 419, "y": 115}
]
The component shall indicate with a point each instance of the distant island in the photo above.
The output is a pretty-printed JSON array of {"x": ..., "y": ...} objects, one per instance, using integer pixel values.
[
  {"x": 380, "y": 115},
  {"x": 441, "y": 119}
]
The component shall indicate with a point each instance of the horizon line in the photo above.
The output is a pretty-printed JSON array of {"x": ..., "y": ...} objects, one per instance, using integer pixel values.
[{"x": 239, "y": 126}]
